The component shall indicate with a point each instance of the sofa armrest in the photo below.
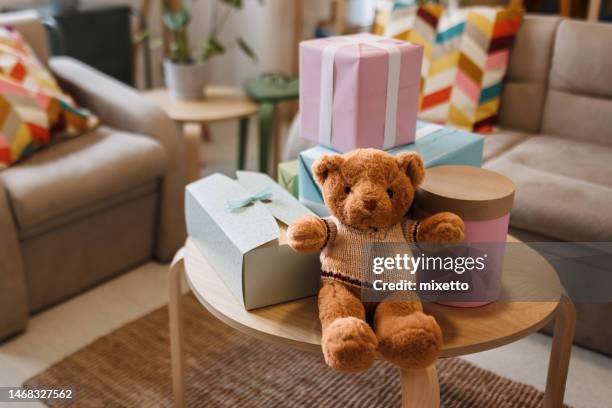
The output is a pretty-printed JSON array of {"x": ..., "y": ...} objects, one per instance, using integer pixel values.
[
  {"x": 123, "y": 107},
  {"x": 14, "y": 308}
]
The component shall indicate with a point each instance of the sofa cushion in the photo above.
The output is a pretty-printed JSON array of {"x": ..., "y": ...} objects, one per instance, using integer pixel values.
[
  {"x": 525, "y": 86},
  {"x": 579, "y": 117},
  {"x": 81, "y": 172},
  {"x": 580, "y": 89},
  {"x": 501, "y": 141},
  {"x": 32, "y": 105},
  {"x": 562, "y": 188}
]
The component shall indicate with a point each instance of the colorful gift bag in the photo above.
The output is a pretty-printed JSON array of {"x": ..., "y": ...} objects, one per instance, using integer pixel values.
[
  {"x": 393, "y": 16},
  {"x": 465, "y": 57},
  {"x": 359, "y": 91}
]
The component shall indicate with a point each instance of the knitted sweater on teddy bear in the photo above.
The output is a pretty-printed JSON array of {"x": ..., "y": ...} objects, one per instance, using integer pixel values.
[{"x": 345, "y": 253}]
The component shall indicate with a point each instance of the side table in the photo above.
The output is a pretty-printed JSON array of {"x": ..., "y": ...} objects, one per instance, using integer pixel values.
[
  {"x": 465, "y": 330},
  {"x": 221, "y": 103}
]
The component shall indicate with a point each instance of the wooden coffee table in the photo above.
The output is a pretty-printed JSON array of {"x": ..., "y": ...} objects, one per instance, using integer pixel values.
[
  {"x": 221, "y": 103},
  {"x": 466, "y": 330}
]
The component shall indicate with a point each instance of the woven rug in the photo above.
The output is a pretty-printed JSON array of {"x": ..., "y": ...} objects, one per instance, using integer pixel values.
[{"x": 130, "y": 367}]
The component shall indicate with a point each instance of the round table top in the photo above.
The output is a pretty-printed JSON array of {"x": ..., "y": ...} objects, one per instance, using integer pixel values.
[
  {"x": 465, "y": 330},
  {"x": 220, "y": 103}
]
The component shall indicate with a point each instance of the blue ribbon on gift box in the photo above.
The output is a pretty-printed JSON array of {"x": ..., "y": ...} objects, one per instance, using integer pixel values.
[{"x": 263, "y": 195}]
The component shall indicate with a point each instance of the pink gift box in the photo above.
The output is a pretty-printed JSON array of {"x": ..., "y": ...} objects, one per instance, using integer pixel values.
[
  {"x": 359, "y": 91},
  {"x": 483, "y": 199}
]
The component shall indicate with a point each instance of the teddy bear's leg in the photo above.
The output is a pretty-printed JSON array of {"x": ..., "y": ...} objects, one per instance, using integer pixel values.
[
  {"x": 348, "y": 342},
  {"x": 407, "y": 337}
]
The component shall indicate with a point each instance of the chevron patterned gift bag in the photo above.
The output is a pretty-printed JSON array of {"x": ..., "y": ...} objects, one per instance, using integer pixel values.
[{"x": 465, "y": 57}]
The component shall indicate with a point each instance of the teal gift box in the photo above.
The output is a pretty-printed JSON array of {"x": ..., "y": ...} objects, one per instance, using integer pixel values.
[
  {"x": 436, "y": 144},
  {"x": 240, "y": 227}
]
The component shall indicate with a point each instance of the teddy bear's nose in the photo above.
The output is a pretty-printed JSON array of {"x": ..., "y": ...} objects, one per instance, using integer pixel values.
[{"x": 370, "y": 205}]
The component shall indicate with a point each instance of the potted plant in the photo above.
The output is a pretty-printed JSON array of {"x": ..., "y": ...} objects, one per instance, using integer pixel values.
[{"x": 184, "y": 71}]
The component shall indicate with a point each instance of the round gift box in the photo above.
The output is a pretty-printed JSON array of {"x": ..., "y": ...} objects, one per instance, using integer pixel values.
[{"x": 483, "y": 199}]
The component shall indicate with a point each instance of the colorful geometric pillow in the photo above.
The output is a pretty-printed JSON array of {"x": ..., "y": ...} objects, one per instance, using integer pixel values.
[
  {"x": 32, "y": 105},
  {"x": 465, "y": 57}
]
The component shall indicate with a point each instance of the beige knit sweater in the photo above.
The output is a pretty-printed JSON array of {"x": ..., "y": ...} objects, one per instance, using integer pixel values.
[{"x": 346, "y": 252}]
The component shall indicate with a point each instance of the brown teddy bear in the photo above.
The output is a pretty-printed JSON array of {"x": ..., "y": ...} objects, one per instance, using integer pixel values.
[{"x": 369, "y": 193}]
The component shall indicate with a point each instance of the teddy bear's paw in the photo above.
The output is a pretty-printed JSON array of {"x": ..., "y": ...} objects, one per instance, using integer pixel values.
[
  {"x": 442, "y": 228},
  {"x": 308, "y": 234},
  {"x": 349, "y": 345},
  {"x": 415, "y": 343},
  {"x": 449, "y": 233}
]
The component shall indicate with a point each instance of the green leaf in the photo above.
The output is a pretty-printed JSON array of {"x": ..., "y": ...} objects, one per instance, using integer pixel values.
[
  {"x": 233, "y": 3},
  {"x": 246, "y": 49},
  {"x": 211, "y": 48},
  {"x": 176, "y": 20}
]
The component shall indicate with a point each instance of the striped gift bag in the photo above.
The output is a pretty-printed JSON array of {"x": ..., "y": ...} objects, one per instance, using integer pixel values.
[{"x": 465, "y": 57}]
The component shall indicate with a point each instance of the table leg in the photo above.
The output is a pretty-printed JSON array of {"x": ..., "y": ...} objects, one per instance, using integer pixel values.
[
  {"x": 205, "y": 133},
  {"x": 420, "y": 388},
  {"x": 563, "y": 337},
  {"x": 266, "y": 114},
  {"x": 243, "y": 134},
  {"x": 276, "y": 143},
  {"x": 176, "y": 328},
  {"x": 193, "y": 136}
]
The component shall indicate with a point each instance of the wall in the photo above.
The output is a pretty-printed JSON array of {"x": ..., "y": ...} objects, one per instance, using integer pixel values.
[{"x": 267, "y": 28}]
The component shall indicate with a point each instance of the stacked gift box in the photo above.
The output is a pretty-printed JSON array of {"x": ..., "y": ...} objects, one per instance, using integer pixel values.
[{"x": 362, "y": 91}]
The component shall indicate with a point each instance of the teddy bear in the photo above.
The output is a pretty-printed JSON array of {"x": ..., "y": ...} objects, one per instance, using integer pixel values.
[{"x": 368, "y": 193}]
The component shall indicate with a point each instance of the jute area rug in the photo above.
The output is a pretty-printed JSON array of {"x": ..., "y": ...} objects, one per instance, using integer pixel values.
[{"x": 130, "y": 367}]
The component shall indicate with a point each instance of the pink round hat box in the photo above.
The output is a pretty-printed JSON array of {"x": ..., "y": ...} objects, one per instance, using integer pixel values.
[{"x": 483, "y": 199}]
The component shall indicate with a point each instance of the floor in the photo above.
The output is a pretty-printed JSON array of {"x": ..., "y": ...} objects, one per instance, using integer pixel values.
[{"x": 62, "y": 330}]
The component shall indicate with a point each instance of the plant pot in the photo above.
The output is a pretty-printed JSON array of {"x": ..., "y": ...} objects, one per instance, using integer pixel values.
[
  {"x": 185, "y": 81},
  {"x": 63, "y": 6}
]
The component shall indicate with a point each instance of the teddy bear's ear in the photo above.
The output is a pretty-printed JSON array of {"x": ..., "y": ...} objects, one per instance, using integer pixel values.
[
  {"x": 411, "y": 164},
  {"x": 324, "y": 165}
]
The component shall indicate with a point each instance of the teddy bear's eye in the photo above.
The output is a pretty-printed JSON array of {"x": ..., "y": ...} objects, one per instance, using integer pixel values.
[
  {"x": 390, "y": 193},
  {"x": 347, "y": 189}
]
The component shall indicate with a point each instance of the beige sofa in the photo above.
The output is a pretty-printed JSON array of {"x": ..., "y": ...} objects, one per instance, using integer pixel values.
[
  {"x": 556, "y": 144},
  {"x": 86, "y": 209},
  {"x": 558, "y": 103}
]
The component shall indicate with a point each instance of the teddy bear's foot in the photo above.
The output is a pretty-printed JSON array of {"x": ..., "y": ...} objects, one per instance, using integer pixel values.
[
  {"x": 349, "y": 345},
  {"x": 411, "y": 341}
]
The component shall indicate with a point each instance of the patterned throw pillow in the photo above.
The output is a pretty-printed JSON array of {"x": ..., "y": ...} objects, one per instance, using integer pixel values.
[
  {"x": 465, "y": 57},
  {"x": 32, "y": 105}
]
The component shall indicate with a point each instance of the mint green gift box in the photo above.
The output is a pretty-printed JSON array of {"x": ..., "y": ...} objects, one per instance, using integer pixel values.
[
  {"x": 436, "y": 144},
  {"x": 288, "y": 176},
  {"x": 243, "y": 238}
]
